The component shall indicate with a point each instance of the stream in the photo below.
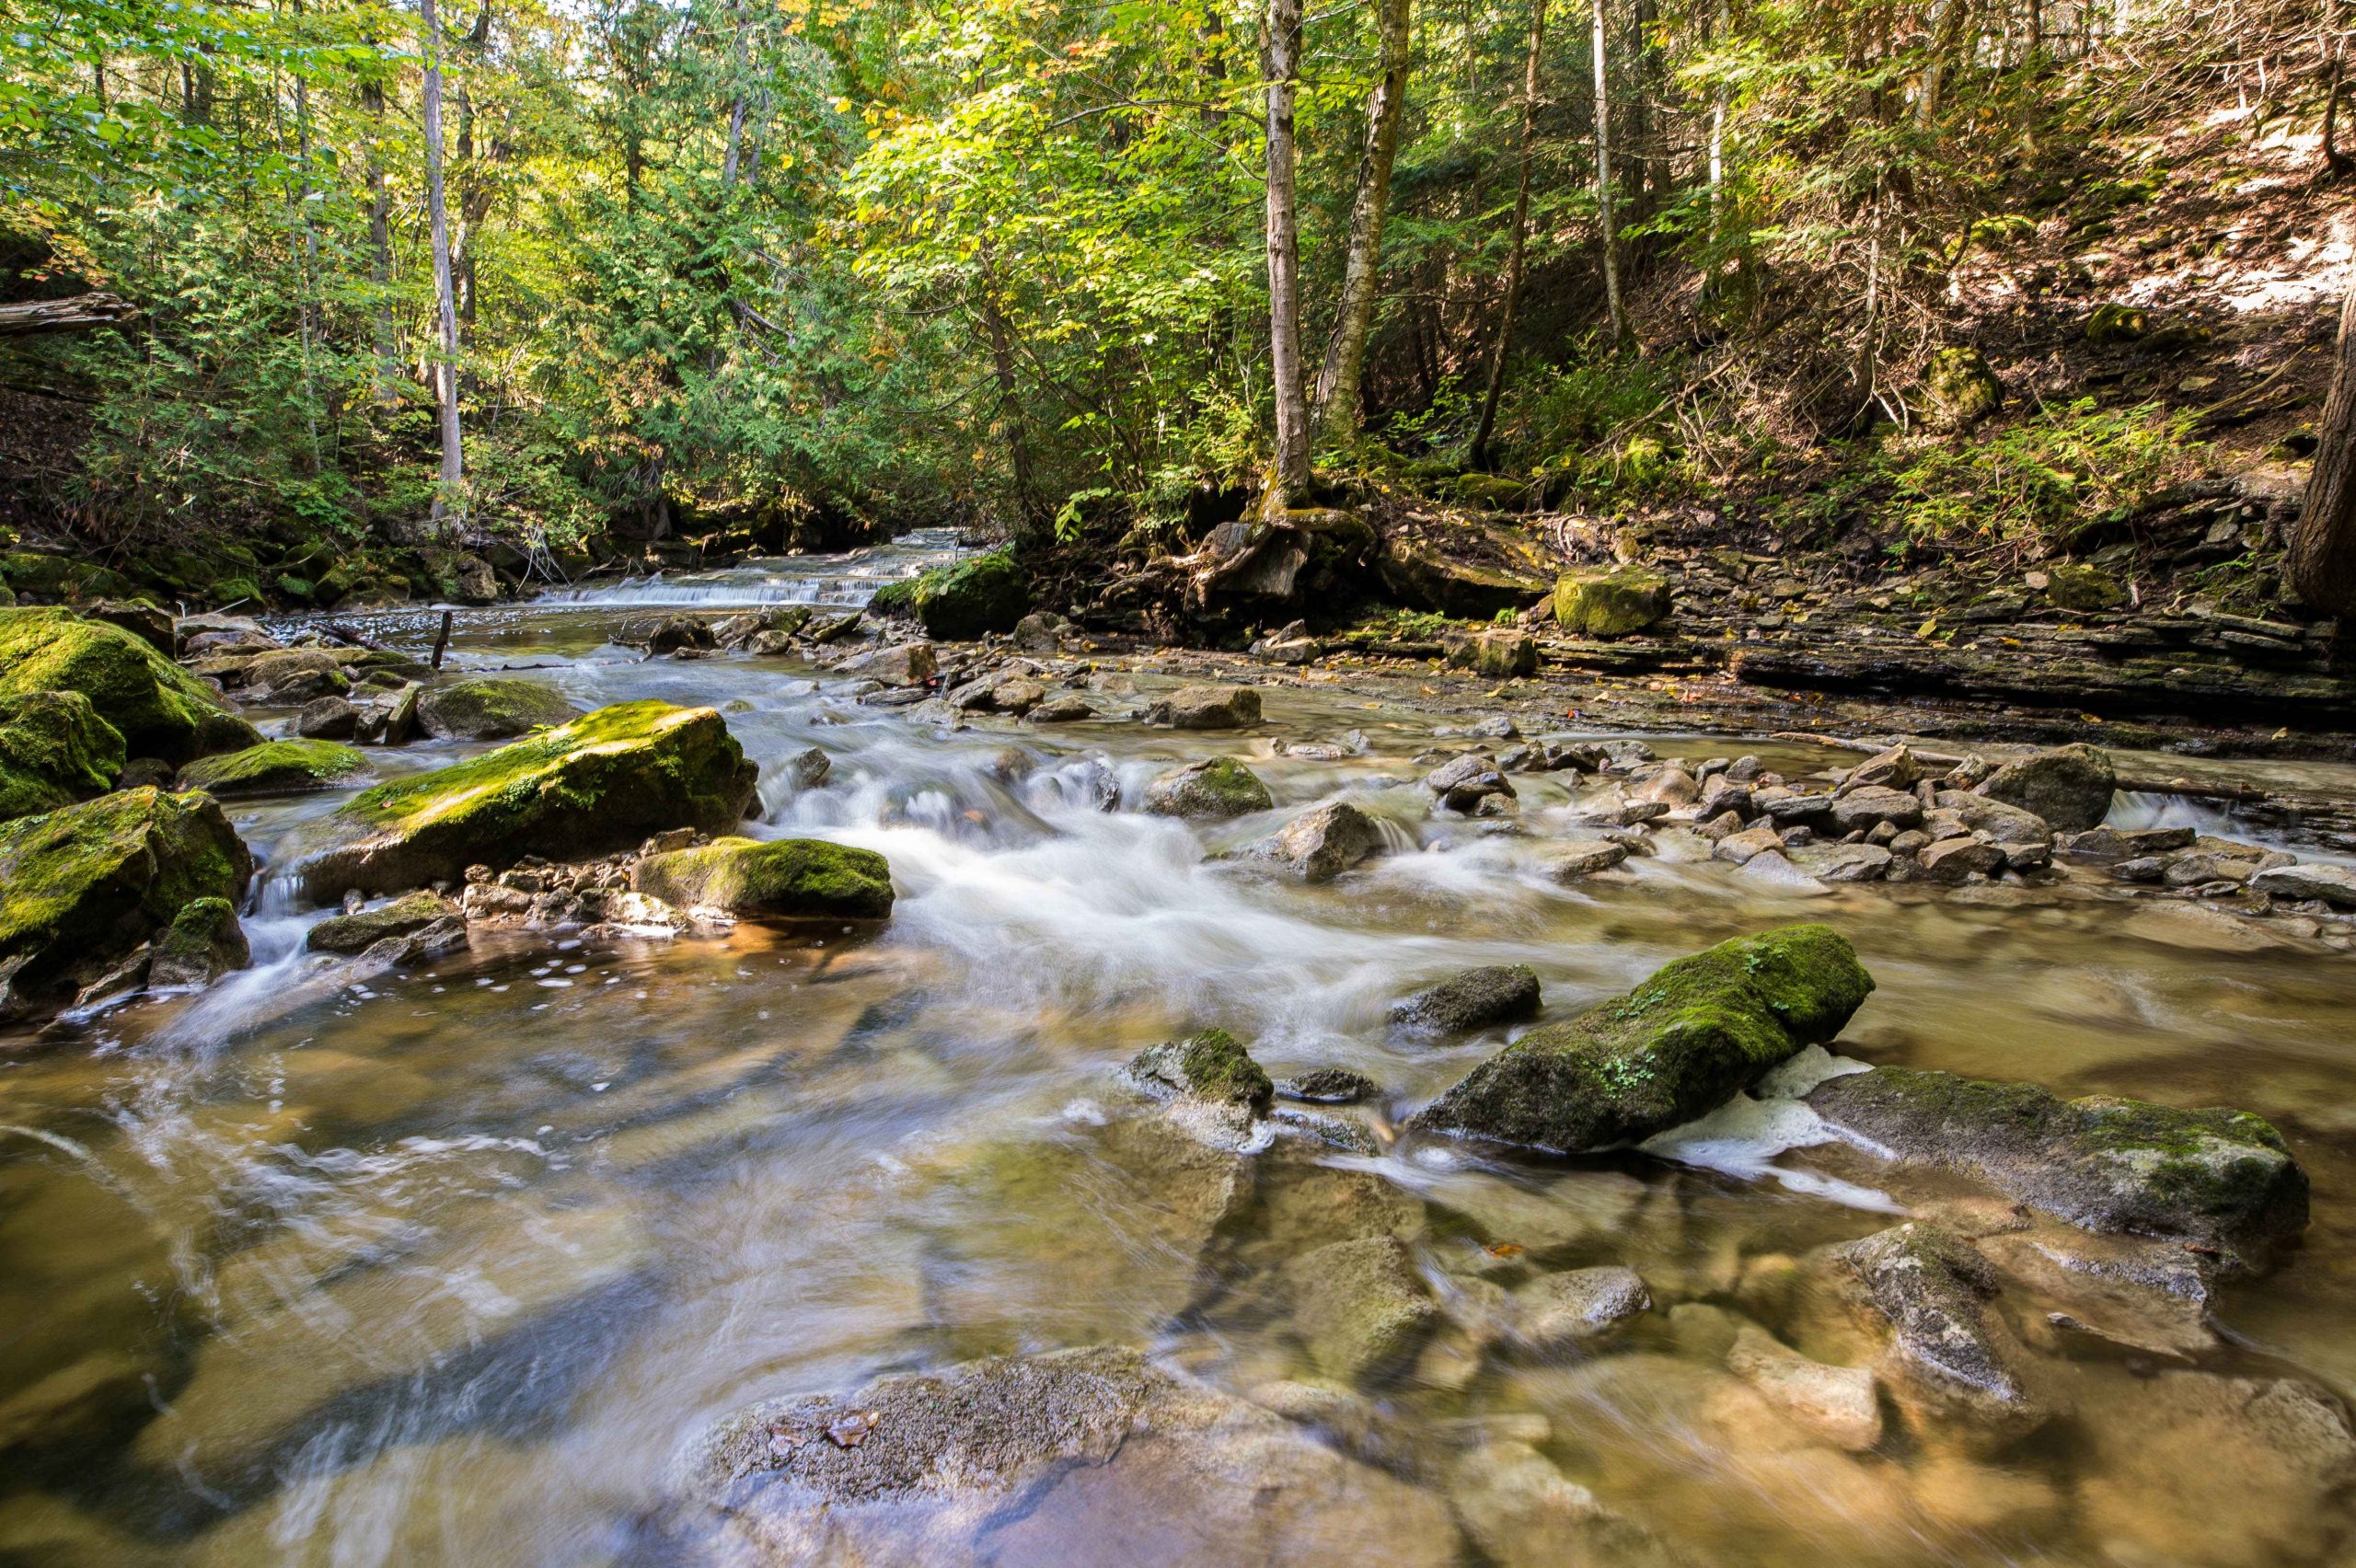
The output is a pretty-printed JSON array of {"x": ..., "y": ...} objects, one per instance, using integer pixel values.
[{"x": 445, "y": 1267}]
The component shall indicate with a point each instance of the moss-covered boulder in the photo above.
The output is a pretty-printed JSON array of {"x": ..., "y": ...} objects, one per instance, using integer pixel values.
[
  {"x": 364, "y": 929},
  {"x": 1499, "y": 654},
  {"x": 1613, "y": 602},
  {"x": 1683, "y": 1042},
  {"x": 274, "y": 768},
  {"x": 783, "y": 879},
  {"x": 603, "y": 782},
  {"x": 491, "y": 709},
  {"x": 159, "y": 709},
  {"x": 981, "y": 595},
  {"x": 2086, "y": 589},
  {"x": 1960, "y": 389},
  {"x": 1216, "y": 788},
  {"x": 54, "y": 750},
  {"x": 83, "y": 886},
  {"x": 2217, "y": 1178},
  {"x": 203, "y": 943},
  {"x": 1207, "y": 1067}
]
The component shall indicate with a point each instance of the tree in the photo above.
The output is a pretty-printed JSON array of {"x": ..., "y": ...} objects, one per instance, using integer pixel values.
[
  {"x": 448, "y": 498},
  {"x": 2323, "y": 547},
  {"x": 1336, "y": 407},
  {"x": 1477, "y": 455},
  {"x": 1281, "y": 72},
  {"x": 1615, "y": 314}
]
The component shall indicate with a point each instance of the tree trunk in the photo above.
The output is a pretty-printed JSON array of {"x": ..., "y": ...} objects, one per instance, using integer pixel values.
[
  {"x": 449, "y": 505},
  {"x": 1720, "y": 97},
  {"x": 1337, "y": 405},
  {"x": 1606, "y": 222},
  {"x": 474, "y": 187},
  {"x": 1281, "y": 69},
  {"x": 2322, "y": 547},
  {"x": 1944, "y": 47},
  {"x": 2334, "y": 15},
  {"x": 1477, "y": 455},
  {"x": 1029, "y": 513},
  {"x": 380, "y": 247}
]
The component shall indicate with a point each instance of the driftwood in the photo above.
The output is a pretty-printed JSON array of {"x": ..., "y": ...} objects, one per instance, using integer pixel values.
[{"x": 32, "y": 318}]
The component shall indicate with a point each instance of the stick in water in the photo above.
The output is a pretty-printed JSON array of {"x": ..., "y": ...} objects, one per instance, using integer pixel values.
[{"x": 442, "y": 638}]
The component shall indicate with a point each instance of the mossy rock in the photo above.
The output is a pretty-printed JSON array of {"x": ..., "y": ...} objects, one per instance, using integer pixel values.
[
  {"x": 1216, "y": 787},
  {"x": 2113, "y": 322},
  {"x": 363, "y": 930},
  {"x": 1960, "y": 388},
  {"x": 1210, "y": 1066},
  {"x": 1496, "y": 492},
  {"x": 601, "y": 783},
  {"x": 54, "y": 750},
  {"x": 2086, "y": 589},
  {"x": 785, "y": 879},
  {"x": 203, "y": 943},
  {"x": 1501, "y": 654},
  {"x": 160, "y": 709},
  {"x": 1610, "y": 602},
  {"x": 959, "y": 603},
  {"x": 240, "y": 591},
  {"x": 274, "y": 768},
  {"x": 2216, "y": 1178},
  {"x": 491, "y": 709},
  {"x": 84, "y": 885},
  {"x": 1682, "y": 1042}
]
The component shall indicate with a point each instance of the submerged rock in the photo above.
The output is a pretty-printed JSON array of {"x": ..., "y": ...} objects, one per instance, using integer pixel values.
[
  {"x": 54, "y": 749},
  {"x": 2221, "y": 1179},
  {"x": 1216, "y": 788},
  {"x": 491, "y": 709},
  {"x": 1931, "y": 1289},
  {"x": 2070, "y": 786},
  {"x": 1474, "y": 999},
  {"x": 362, "y": 929},
  {"x": 1206, "y": 708},
  {"x": 1836, "y": 1404},
  {"x": 1319, "y": 845},
  {"x": 274, "y": 768},
  {"x": 1560, "y": 1312},
  {"x": 601, "y": 782},
  {"x": 159, "y": 709},
  {"x": 83, "y": 886},
  {"x": 1091, "y": 1455},
  {"x": 1359, "y": 1306},
  {"x": 1679, "y": 1045},
  {"x": 774, "y": 879}
]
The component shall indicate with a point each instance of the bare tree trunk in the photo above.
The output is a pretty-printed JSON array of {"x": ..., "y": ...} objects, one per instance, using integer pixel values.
[
  {"x": 449, "y": 504},
  {"x": 1606, "y": 222},
  {"x": 2321, "y": 556},
  {"x": 380, "y": 247},
  {"x": 1944, "y": 47},
  {"x": 2334, "y": 64},
  {"x": 474, "y": 187},
  {"x": 1477, "y": 455},
  {"x": 308, "y": 312},
  {"x": 1281, "y": 70},
  {"x": 1336, "y": 407},
  {"x": 1720, "y": 95}
]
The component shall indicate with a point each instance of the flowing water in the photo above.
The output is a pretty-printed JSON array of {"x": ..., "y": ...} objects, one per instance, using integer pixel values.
[{"x": 443, "y": 1268}]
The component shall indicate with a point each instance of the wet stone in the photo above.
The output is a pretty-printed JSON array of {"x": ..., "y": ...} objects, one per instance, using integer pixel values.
[{"x": 1472, "y": 999}]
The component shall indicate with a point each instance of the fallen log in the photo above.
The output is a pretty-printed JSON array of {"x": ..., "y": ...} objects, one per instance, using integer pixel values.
[{"x": 33, "y": 317}]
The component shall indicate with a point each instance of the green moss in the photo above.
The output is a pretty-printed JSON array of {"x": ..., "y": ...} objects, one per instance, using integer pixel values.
[
  {"x": 1220, "y": 787},
  {"x": 274, "y": 768},
  {"x": 1961, "y": 388},
  {"x": 358, "y": 932},
  {"x": 1209, "y": 1066},
  {"x": 782, "y": 879},
  {"x": 160, "y": 709},
  {"x": 202, "y": 941},
  {"x": 1675, "y": 1046},
  {"x": 600, "y": 783},
  {"x": 1614, "y": 603},
  {"x": 981, "y": 595},
  {"x": 84, "y": 884},
  {"x": 54, "y": 750}
]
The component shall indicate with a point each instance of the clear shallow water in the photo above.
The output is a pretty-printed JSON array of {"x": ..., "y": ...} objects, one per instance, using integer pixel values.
[{"x": 443, "y": 1269}]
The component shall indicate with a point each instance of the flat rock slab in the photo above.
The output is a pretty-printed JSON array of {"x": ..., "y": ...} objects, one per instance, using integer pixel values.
[{"x": 2223, "y": 1178}]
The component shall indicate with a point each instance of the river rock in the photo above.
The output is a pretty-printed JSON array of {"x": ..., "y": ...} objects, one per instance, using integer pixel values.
[
  {"x": 1093, "y": 1456},
  {"x": 1206, "y": 708},
  {"x": 1697, "y": 1032},
  {"x": 1610, "y": 602},
  {"x": 203, "y": 943},
  {"x": 1573, "y": 858},
  {"x": 1359, "y": 1306},
  {"x": 1862, "y": 810},
  {"x": 1840, "y": 862},
  {"x": 1462, "y": 783},
  {"x": 2221, "y": 1179},
  {"x": 159, "y": 709},
  {"x": 362, "y": 929},
  {"x": 54, "y": 749},
  {"x": 1211, "y": 1066},
  {"x": 1215, "y": 788},
  {"x": 83, "y": 886},
  {"x": 1475, "y": 998},
  {"x": 490, "y": 709},
  {"x": 274, "y": 768},
  {"x": 2335, "y": 885},
  {"x": 1319, "y": 845},
  {"x": 329, "y": 718},
  {"x": 1931, "y": 1289},
  {"x": 667, "y": 634},
  {"x": 1041, "y": 631},
  {"x": 778, "y": 879},
  {"x": 1896, "y": 769},
  {"x": 1836, "y": 1404},
  {"x": 2070, "y": 786},
  {"x": 1954, "y": 859},
  {"x": 1497, "y": 653},
  {"x": 600, "y": 783},
  {"x": 2129, "y": 843},
  {"x": 1329, "y": 1086},
  {"x": 1562, "y": 1311},
  {"x": 961, "y": 602},
  {"x": 901, "y": 664},
  {"x": 1065, "y": 707},
  {"x": 2007, "y": 826}
]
